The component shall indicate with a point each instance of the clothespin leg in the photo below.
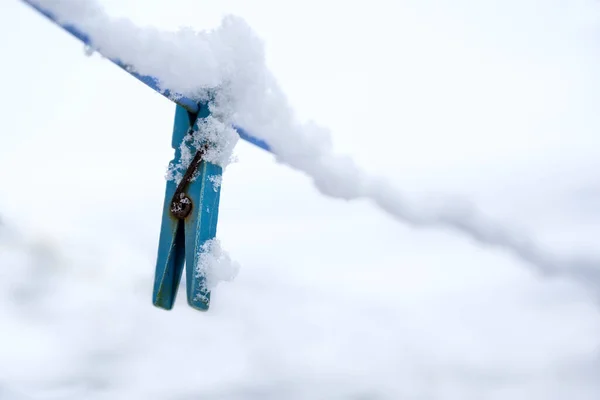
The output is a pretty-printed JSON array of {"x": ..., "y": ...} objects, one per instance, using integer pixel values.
[
  {"x": 200, "y": 227},
  {"x": 170, "y": 260},
  {"x": 171, "y": 247}
]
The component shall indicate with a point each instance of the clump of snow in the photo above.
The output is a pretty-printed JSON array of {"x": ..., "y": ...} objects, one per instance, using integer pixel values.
[
  {"x": 231, "y": 58},
  {"x": 177, "y": 169},
  {"x": 219, "y": 138},
  {"x": 187, "y": 61},
  {"x": 215, "y": 265}
]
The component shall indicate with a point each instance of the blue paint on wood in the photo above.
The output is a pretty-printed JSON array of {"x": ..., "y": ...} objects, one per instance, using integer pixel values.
[{"x": 181, "y": 241}]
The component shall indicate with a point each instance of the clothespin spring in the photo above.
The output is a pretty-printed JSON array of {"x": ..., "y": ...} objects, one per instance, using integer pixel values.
[{"x": 181, "y": 204}]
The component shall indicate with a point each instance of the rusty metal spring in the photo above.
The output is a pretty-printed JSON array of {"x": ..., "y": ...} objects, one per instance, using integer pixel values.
[{"x": 181, "y": 204}]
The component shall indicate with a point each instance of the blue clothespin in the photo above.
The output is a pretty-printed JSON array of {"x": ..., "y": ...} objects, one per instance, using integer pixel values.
[{"x": 189, "y": 219}]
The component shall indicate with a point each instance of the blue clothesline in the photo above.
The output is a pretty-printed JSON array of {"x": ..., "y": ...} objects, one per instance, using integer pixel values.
[{"x": 187, "y": 103}]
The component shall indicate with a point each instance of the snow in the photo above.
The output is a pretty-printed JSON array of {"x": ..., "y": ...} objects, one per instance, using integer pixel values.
[
  {"x": 334, "y": 300},
  {"x": 217, "y": 181},
  {"x": 232, "y": 58},
  {"x": 220, "y": 137},
  {"x": 211, "y": 58},
  {"x": 75, "y": 325},
  {"x": 215, "y": 265},
  {"x": 217, "y": 137}
]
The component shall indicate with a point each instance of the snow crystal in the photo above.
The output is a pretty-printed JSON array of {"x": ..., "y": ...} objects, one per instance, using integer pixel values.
[
  {"x": 216, "y": 180},
  {"x": 215, "y": 265}
]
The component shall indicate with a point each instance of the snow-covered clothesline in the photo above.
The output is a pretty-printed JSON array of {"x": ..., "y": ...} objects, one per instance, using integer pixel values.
[
  {"x": 186, "y": 102},
  {"x": 187, "y": 65}
]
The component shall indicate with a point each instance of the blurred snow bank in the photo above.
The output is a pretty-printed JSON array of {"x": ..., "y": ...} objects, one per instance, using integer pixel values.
[
  {"x": 29, "y": 266},
  {"x": 78, "y": 324}
]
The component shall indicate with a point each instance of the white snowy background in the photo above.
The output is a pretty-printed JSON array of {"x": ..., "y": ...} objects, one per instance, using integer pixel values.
[{"x": 491, "y": 101}]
